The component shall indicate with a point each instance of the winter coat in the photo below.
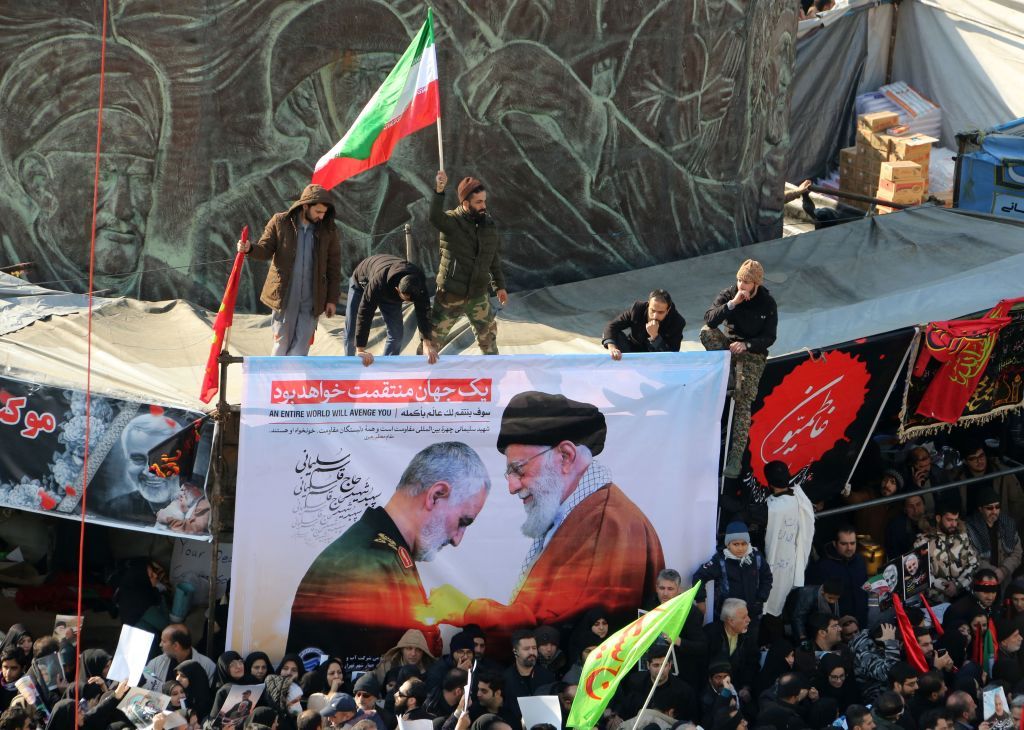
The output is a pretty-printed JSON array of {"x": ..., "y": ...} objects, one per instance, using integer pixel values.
[
  {"x": 378, "y": 276},
  {"x": 952, "y": 559},
  {"x": 871, "y": 665},
  {"x": 634, "y": 319},
  {"x": 753, "y": 321},
  {"x": 392, "y": 658},
  {"x": 279, "y": 243},
  {"x": 852, "y": 573},
  {"x": 751, "y": 582},
  {"x": 470, "y": 252}
]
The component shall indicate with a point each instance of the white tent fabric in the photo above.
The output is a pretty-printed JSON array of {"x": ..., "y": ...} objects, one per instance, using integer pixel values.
[
  {"x": 834, "y": 285},
  {"x": 965, "y": 55}
]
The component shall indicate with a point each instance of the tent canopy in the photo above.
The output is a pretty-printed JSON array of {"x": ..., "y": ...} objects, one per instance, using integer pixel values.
[{"x": 862, "y": 278}]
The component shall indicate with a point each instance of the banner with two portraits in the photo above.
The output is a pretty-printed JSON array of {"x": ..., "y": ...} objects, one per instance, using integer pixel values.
[{"x": 502, "y": 491}]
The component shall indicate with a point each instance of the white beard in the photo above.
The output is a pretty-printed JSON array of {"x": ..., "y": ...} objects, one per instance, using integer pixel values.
[
  {"x": 431, "y": 539},
  {"x": 547, "y": 498}
]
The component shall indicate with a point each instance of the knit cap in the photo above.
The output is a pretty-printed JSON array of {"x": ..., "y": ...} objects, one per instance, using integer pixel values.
[
  {"x": 736, "y": 531},
  {"x": 751, "y": 271},
  {"x": 467, "y": 186}
]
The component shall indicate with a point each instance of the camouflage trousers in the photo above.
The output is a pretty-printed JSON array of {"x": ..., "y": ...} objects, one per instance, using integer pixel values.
[
  {"x": 744, "y": 377},
  {"x": 449, "y": 309}
]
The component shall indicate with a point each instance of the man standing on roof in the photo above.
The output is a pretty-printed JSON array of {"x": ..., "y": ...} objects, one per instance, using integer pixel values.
[
  {"x": 304, "y": 280},
  {"x": 750, "y": 316},
  {"x": 470, "y": 262},
  {"x": 383, "y": 282}
]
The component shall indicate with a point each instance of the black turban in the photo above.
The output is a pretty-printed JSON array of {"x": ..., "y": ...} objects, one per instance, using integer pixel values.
[{"x": 541, "y": 419}]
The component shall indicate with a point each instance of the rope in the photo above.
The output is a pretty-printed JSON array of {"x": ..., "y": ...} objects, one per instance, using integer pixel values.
[{"x": 88, "y": 357}]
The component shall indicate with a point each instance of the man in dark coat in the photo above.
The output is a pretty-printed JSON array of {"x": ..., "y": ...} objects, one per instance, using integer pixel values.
[
  {"x": 842, "y": 563},
  {"x": 470, "y": 264},
  {"x": 304, "y": 280},
  {"x": 750, "y": 318},
  {"x": 384, "y": 282},
  {"x": 363, "y": 591},
  {"x": 654, "y": 325},
  {"x": 732, "y": 630}
]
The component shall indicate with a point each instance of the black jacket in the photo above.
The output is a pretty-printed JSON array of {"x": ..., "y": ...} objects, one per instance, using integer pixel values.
[
  {"x": 634, "y": 319},
  {"x": 378, "y": 276},
  {"x": 852, "y": 573},
  {"x": 752, "y": 583},
  {"x": 470, "y": 252},
  {"x": 753, "y": 321},
  {"x": 744, "y": 662}
]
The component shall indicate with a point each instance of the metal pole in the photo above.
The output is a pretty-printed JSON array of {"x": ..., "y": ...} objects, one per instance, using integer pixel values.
[
  {"x": 1015, "y": 468},
  {"x": 215, "y": 499},
  {"x": 408, "y": 243},
  {"x": 858, "y": 196},
  {"x": 650, "y": 695}
]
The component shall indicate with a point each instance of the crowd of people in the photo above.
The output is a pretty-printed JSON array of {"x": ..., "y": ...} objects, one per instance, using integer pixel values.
[{"x": 831, "y": 657}]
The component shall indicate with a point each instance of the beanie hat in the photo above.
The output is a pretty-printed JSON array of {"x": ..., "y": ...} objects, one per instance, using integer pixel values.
[
  {"x": 749, "y": 270},
  {"x": 468, "y": 186},
  {"x": 547, "y": 635},
  {"x": 367, "y": 683},
  {"x": 736, "y": 531},
  {"x": 461, "y": 641}
]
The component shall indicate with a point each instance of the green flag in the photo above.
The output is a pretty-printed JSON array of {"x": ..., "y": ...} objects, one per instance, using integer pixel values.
[{"x": 607, "y": 664}]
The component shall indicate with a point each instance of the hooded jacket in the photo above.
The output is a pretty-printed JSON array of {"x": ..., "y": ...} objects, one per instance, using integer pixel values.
[
  {"x": 279, "y": 243},
  {"x": 470, "y": 252},
  {"x": 392, "y": 658},
  {"x": 750, "y": 580}
]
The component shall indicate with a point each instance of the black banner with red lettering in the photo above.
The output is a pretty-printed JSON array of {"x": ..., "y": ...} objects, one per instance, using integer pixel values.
[
  {"x": 814, "y": 411},
  {"x": 147, "y": 463},
  {"x": 999, "y": 391}
]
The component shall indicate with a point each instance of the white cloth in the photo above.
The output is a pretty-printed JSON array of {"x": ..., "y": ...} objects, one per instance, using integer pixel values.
[{"x": 787, "y": 545}]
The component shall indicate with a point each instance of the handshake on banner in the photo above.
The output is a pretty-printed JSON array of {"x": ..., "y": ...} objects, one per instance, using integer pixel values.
[{"x": 446, "y": 604}]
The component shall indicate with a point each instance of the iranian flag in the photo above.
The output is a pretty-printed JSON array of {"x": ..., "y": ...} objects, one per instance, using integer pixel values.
[{"x": 406, "y": 102}]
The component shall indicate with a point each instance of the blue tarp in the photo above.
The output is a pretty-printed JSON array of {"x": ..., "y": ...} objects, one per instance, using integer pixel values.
[{"x": 991, "y": 178}]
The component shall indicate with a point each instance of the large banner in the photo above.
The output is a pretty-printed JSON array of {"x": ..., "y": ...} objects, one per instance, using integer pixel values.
[
  {"x": 814, "y": 412},
  {"x": 501, "y": 491},
  {"x": 999, "y": 390},
  {"x": 147, "y": 463}
]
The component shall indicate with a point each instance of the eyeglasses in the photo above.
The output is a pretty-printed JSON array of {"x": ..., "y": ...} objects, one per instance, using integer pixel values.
[
  {"x": 400, "y": 693},
  {"x": 837, "y": 677},
  {"x": 975, "y": 457},
  {"x": 360, "y": 693},
  {"x": 516, "y": 467}
]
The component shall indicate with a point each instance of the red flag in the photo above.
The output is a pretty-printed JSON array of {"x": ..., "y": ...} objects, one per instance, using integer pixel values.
[
  {"x": 931, "y": 614},
  {"x": 1002, "y": 309},
  {"x": 963, "y": 347},
  {"x": 225, "y": 315},
  {"x": 914, "y": 654}
]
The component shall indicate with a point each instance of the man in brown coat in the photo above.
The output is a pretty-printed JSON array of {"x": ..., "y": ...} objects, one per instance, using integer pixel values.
[{"x": 303, "y": 248}]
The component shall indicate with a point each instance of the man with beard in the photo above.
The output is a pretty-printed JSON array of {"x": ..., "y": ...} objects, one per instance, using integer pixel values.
[
  {"x": 578, "y": 518},
  {"x": 950, "y": 554},
  {"x": 366, "y": 580},
  {"x": 304, "y": 280},
  {"x": 409, "y": 700},
  {"x": 981, "y": 600},
  {"x": 994, "y": 535},
  {"x": 524, "y": 678},
  {"x": 149, "y": 493},
  {"x": 470, "y": 263}
]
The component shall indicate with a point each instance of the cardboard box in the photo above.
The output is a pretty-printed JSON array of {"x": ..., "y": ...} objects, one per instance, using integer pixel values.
[
  {"x": 900, "y": 170},
  {"x": 888, "y": 188},
  {"x": 906, "y": 197},
  {"x": 916, "y": 148},
  {"x": 878, "y": 121}
]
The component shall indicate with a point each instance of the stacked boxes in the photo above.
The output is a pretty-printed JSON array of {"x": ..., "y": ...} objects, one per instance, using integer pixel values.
[
  {"x": 866, "y": 169},
  {"x": 901, "y": 182}
]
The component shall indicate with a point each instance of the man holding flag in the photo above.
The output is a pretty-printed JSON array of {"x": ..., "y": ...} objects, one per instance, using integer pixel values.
[{"x": 304, "y": 280}]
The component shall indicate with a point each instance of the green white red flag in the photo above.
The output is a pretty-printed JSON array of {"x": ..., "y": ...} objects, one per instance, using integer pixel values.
[
  {"x": 406, "y": 102},
  {"x": 609, "y": 663},
  {"x": 225, "y": 316}
]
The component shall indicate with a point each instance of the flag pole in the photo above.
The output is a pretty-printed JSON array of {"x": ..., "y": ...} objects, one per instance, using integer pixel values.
[
  {"x": 650, "y": 695},
  {"x": 440, "y": 145}
]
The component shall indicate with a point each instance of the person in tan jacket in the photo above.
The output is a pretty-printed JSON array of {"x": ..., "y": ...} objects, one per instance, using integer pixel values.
[{"x": 304, "y": 249}]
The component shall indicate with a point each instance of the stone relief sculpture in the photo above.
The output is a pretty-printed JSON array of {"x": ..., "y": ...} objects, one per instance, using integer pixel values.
[{"x": 613, "y": 134}]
